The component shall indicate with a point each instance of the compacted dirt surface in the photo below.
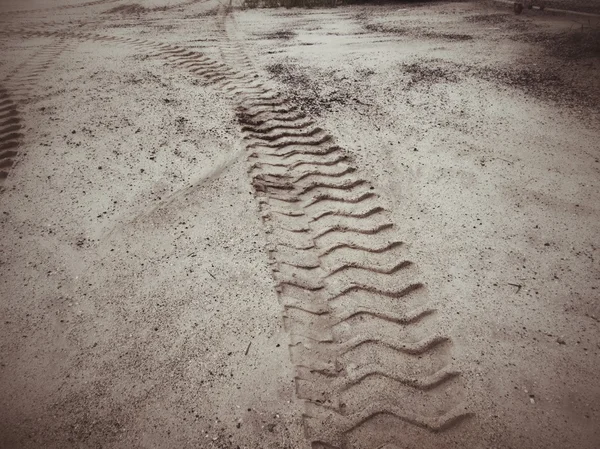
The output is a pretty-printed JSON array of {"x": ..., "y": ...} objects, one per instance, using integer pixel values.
[{"x": 369, "y": 226}]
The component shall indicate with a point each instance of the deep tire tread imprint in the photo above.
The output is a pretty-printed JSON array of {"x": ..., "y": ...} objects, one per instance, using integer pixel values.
[
  {"x": 347, "y": 282},
  {"x": 353, "y": 305}
]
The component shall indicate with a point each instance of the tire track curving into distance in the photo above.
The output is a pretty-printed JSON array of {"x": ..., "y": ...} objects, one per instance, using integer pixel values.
[
  {"x": 370, "y": 364},
  {"x": 57, "y": 8},
  {"x": 363, "y": 338}
]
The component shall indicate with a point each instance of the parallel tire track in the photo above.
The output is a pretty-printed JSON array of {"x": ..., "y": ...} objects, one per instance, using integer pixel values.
[
  {"x": 17, "y": 88},
  {"x": 10, "y": 135},
  {"x": 363, "y": 341},
  {"x": 57, "y": 8}
]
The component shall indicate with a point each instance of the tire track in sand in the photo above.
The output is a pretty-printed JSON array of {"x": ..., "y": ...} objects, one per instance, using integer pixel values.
[
  {"x": 57, "y": 8},
  {"x": 363, "y": 339},
  {"x": 10, "y": 135},
  {"x": 15, "y": 89},
  {"x": 370, "y": 363}
]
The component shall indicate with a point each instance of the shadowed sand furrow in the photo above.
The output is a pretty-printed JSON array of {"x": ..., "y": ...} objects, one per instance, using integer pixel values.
[
  {"x": 366, "y": 229},
  {"x": 271, "y": 118},
  {"x": 9, "y": 129},
  {"x": 296, "y": 176},
  {"x": 389, "y": 292},
  {"x": 359, "y": 265},
  {"x": 301, "y": 123},
  {"x": 326, "y": 161},
  {"x": 316, "y": 138},
  {"x": 355, "y": 377},
  {"x": 375, "y": 248},
  {"x": 272, "y": 137},
  {"x": 256, "y": 113},
  {"x": 374, "y": 338},
  {"x": 11, "y": 136},
  {"x": 331, "y": 424},
  {"x": 344, "y": 196},
  {"x": 358, "y": 212},
  {"x": 383, "y": 313},
  {"x": 295, "y": 150}
]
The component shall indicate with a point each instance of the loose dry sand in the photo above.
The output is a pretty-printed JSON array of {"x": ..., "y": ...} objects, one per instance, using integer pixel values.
[{"x": 150, "y": 294}]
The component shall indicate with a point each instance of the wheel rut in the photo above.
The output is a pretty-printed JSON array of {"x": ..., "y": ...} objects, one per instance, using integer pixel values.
[
  {"x": 362, "y": 336},
  {"x": 10, "y": 137},
  {"x": 369, "y": 362},
  {"x": 15, "y": 89},
  {"x": 58, "y": 8}
]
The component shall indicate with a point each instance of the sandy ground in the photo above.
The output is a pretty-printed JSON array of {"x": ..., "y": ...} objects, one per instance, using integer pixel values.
[{"x": 361, "y": 227}]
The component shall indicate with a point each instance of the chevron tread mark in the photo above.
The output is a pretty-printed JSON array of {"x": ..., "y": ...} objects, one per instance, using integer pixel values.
[
  {"x": 370, "y": 365},
  {"x": 362, "y": 336},
  {"x": 10, "y": 137}
]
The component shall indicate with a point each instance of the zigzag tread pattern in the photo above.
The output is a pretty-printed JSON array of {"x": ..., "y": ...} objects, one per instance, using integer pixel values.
[
  {"x": 10, "y": 137},
  {"x": 353, "y": 309},
  {"x": 360, "y": 329},
  {"x": 17, "y": 87}
]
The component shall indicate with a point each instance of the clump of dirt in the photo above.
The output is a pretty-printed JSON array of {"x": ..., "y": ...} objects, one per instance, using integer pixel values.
[
  {"x": 364, "y": 73},
  {"x": 281, "y": 34},
  {"x": 127, "y": 9}
]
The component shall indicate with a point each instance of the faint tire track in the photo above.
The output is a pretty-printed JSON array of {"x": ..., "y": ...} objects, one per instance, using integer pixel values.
[
  {"x": 57, "y": 8},
  {"x": 15, "y": 89},
  {"x": 10, "y": 138}
]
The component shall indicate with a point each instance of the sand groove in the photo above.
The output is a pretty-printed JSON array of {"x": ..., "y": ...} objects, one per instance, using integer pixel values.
[
  {"x": 17, "y": 88},
  {"x": 295, "y": 164},
  {"x": 341, "y": 274},
  {"x": 10, "y": 138}
]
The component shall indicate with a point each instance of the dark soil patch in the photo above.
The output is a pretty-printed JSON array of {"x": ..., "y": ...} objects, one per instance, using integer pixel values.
[
  {"x": 378, "y": 28},
  {"x": 127, "y": 9},
  {"x": 574, "y": 45},
  {"x": 488, "y": 18},
  {"x": 447, "y": 36},
  {"x": 544, "y": 83},
  {"x": 577, "y": 44},
  {"x": 427, "y": 74},
  {"x": 281, "y": 34},
  {"x": 311, "y": 96},
  {"x": 592, "y": 6},
  {"x": 417, "y": 32},
  {"x": 287, "y": 74},
  {"x": 208, "y": 13}
]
